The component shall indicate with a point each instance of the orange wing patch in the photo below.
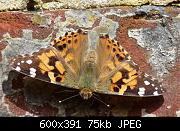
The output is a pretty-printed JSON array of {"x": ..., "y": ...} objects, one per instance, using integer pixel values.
[
  {"x": 49, "y": 64},
  {"x": 125, "y": 78}
]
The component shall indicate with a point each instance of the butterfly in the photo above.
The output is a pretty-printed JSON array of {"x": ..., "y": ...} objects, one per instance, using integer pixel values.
[{"x": 72, "y": 62}]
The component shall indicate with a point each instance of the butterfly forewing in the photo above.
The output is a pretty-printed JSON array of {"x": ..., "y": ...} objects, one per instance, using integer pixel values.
[{"x": 72, "y": 48}]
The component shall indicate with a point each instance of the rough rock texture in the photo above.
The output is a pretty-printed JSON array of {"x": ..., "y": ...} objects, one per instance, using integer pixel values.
[
  {"x": 78, "y": 4},
  {"x": 13, "y": 4},
  {"x": 149, "y": 33}
]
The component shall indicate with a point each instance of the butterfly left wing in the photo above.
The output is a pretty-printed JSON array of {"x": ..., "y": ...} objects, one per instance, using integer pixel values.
[
  {"x": 59, "y": 63},
  {"x": 45, "y": 65},
  {"x": 118, "y": 74}
]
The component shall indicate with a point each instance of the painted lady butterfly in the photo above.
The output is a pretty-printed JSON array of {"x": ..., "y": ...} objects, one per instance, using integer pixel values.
[{"x": 71, "y": 61}]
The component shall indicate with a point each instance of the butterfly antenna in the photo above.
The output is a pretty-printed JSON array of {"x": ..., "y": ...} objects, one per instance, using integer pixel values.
[
  {"x": 65, "y": 91},
  {"x": 101, "y": 101},
  {"x": 68, "y": 98}
]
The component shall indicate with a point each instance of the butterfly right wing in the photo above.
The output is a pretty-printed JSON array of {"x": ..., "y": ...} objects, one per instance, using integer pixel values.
[{"x": 119, "y": 75}]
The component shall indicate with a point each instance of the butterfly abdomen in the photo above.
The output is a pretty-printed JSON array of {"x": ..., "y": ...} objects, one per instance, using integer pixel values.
[{"x": 88, "y": 73}]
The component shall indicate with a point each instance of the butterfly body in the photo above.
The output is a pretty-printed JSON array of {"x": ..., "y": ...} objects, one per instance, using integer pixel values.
[
  {"x": 72, "y": 62},
  {"x": 88, "y": 74}
]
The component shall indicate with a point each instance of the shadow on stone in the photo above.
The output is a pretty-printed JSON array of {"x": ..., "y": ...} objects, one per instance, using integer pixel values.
[{"x": 41, "y": 98}]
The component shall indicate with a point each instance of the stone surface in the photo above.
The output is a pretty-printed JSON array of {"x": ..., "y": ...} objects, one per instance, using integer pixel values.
[
  {"x": 84, "y": 4},
  {"x": 149, "y": 33},
  {"x": 13, "y": 4},
  {"x": 77, "y": 4}
]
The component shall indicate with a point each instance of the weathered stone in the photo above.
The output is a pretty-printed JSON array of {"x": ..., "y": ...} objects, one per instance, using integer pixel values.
[
  {"x": 150, "y": 34},
  {"x": 13, "y": 4},
  {"x": 77, "y": 4},
  {"x": 84, "y": 4}
]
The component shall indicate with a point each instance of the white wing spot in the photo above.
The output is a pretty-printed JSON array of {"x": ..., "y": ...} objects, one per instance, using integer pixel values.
[
  {"x": 17, "y": 68},
  {"x": 134, "y": 62},
  {"x": 18, "y": 63},
  {"x": 146, "y": 82},
  {"x": 29, "y": 61},
  {"x": 141, "y": 91},
  {"x": 129, "y": 57},
  {"x": 156, "y": 88},
  {"x": 22, "y": 61},
  {"x": 152, "y": 79},
  {"x": 155, "y": 93},
  {"x": 32, "y": 72},
  {"x": 33, "y": 75},
  {"x": 152, "y": 84},
  {"x": 146, "y": 75}
]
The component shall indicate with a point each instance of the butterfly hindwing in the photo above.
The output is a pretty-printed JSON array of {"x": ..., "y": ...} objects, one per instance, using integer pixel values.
[
  {"x": 148, "y": 86},
  {"x": 118, "y": 74},
  {"x": 43, "y": 65}
]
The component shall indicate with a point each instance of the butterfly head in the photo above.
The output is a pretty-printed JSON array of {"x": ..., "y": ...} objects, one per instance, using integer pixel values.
[{"x": 86, "y": 93}]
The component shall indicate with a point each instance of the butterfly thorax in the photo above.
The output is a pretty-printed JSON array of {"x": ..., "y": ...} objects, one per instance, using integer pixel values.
[{"x": 88, "y": 75}]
